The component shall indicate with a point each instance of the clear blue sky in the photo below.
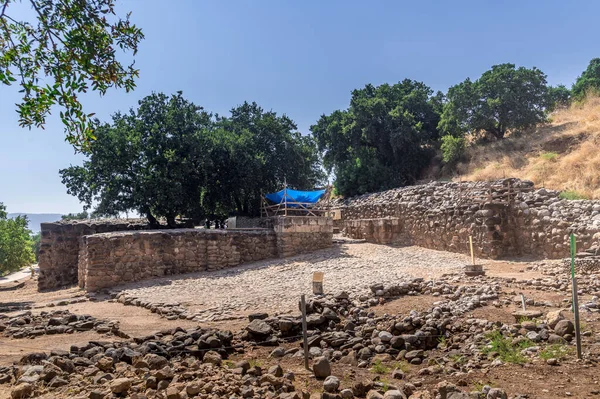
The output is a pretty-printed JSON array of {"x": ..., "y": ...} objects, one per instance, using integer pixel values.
[{"x": 302, "y": 58}]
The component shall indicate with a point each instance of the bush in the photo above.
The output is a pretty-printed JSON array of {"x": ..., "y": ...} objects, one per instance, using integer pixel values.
[
  {"x": 572, "y": 195},
  {"x": 453, "y": 148},
  {"x": 15, "y": 243},
  {"x": 549, "y": 156},
  {"x": 35, "y": 245},
  {"x": 505, "y": 349}
]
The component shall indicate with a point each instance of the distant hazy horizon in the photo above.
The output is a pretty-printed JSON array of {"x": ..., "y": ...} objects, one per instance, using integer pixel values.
[{"x": 36, "y": 219}]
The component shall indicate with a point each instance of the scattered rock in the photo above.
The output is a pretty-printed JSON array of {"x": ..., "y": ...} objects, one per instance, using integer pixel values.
[{"x": 321, "y": 367}]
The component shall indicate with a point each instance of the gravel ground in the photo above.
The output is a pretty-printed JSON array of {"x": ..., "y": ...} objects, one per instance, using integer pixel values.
[{"x": 275, "y": 286}]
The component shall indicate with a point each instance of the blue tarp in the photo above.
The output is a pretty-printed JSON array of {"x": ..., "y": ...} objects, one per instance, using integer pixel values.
[{"x": 296, "y": 196}]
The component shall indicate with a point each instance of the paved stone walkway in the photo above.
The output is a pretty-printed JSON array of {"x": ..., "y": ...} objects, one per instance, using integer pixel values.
[{"x": 276, "y": 285}]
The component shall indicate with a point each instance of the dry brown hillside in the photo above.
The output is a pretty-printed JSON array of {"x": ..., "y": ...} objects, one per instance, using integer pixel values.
[{"x": 563, "y": 154}]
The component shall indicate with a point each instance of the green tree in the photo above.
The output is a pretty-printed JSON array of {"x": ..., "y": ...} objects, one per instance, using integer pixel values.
[
  {"x": 76, "y": 216},
  {"x": 169, "y": 158},
  {"x": 503, "y": 98},
  {"x": 383, "y": 139},
  {"x": 67, "y": 48},
  {"x": 588, "y": 81},
  {"x": 558, "y": 97},
  {"x": 35, "y": 245},
  {"x": 253, "y": 152},
  {"x": 452, "y": 147},
  {"x": 15, "y": 243},
  {"x": 149, "y": 161}
]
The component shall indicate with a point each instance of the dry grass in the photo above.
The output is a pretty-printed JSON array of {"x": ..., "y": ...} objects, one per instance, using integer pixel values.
[{"x": 564, "y": 154}]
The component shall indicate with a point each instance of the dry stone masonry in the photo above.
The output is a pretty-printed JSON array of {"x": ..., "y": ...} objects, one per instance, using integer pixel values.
[
  {"x": 59, "y": 247},
  {"x": 104, "y": 254},
  {"x": 506, "y": 217},
  {"x": 115, "y": 258}
]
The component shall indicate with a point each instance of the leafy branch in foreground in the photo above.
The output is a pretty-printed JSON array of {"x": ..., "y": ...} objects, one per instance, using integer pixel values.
[{"x": 68, "y": 48}]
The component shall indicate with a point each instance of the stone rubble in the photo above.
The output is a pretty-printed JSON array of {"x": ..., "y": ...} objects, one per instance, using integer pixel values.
[
  {"x": 28, "y": 325},
  {"x": 343, "y": 329}
]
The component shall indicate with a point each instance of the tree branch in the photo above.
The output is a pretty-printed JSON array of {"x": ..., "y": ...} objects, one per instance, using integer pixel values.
[
  {"x": 43, "y": 21},
  {"x": 4, "y": 8}
]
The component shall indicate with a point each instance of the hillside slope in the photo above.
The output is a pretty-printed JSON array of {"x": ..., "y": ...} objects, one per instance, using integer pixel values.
[{"x": 564, "y": 154}]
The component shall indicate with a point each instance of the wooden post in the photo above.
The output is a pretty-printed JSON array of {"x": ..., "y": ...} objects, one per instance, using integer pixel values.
[
  {"x": 304, "y": 336},
  {"x": 575, "y": 299},
  {"x": 472, "y": 253}
]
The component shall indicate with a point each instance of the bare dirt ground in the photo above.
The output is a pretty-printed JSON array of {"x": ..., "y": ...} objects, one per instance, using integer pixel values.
[
  {"x": 271, "y": 286},
  {"x": 274, "y": 286}
]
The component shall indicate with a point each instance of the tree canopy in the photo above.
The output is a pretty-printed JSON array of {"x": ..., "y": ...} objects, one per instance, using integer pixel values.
[
  {"x": 15, "y": 242},
  {"x": 171, "y": 158},
  {"x": 68, "y": 48},
  {"x": 382, "y": 140},
  {"x": 558, "y": 96},
  {"x": 588, "y": 81},
  {"x": 503, "y": 98},
  {"x": 76, "y": 216}
]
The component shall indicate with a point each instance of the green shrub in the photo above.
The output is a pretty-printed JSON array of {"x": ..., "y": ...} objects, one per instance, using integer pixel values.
[
  {"x": 549, "y": 156},
  {"x": 507, "y": 352},
  {"x": 379, "y": 367},
  {"x": 572, "y": 195},
  {"x": 15, "y": 243},
  {"x": 453, "y": 148}
]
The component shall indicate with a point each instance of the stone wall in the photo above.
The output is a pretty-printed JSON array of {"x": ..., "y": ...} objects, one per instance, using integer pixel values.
[
  {"x": 59, "y": 247},
  {"x": 115, "y": 258},
  {"x": 99, "y": 254},
  {"x": 379, "y": 231},
  {"x": 442, "y": 215},
  {"x": 300, "y": 234},
  {"x": 245, "y": 222},
  {"x": 543, "y": 223}
]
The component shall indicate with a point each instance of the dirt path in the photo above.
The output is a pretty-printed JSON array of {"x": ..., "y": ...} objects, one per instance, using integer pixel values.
[{"x": 13, "y": 349}]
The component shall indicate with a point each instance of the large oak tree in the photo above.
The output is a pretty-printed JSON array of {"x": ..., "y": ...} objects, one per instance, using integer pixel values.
[
  {"x": 503, "y": 98},
  {"x": 383, "y": 139},
  {"x": 170, "y": 158}
]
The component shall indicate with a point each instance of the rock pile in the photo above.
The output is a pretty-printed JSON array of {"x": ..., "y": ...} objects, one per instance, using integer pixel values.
[
  {"x": 343, "y": 331},
  {"x": 28, "y": 325},
  {"x": 167, "y": 361}
]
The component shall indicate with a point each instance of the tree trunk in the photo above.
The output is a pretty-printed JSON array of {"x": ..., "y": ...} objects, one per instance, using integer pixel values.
[
  {"x": 171, "y": 222},
  {"x": 152, "y": 219}
]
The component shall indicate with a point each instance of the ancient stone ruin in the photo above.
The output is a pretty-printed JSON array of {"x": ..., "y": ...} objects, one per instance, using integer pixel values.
[
  {"x": 102, "y": 254},
  {"x": 509, "y": 217},
  {"x": 506, "y": 218}
]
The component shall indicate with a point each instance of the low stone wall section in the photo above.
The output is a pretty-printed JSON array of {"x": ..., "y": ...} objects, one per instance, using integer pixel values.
[
  {"x": 110, "y": 259},
  {"x": 59, "y": 247},
  {"x": 300, "y": 234},
  {"x": 378, "y": 231}
]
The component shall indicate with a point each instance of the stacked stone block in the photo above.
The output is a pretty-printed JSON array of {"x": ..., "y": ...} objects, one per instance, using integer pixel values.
[
  {"x": 59, "y": 247},
  {"x": 300, "y": 234},
  {"x": 442, "y": 215}
]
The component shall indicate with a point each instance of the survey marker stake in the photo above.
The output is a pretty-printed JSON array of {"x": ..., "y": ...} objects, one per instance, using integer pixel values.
[
  {"x": 575, "y": 300},
  {"x": 304, "y": 337}
]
